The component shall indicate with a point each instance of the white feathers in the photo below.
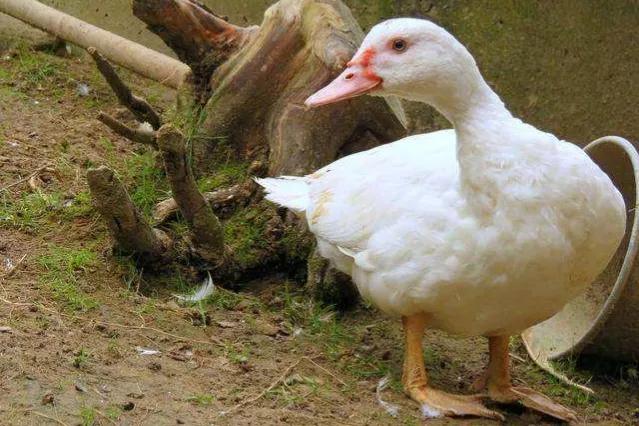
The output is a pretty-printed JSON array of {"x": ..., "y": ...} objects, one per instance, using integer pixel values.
[
  {"x": 146, "y": 351},
  {"x": 146, "y": 128},
  {"x": 391, "y": 409},
  {"x": 288, "y": 191},
  {"x": 429, "y": 412},
  {"x": 489, "y": 228},
  {"x": 205, "y": 290}
]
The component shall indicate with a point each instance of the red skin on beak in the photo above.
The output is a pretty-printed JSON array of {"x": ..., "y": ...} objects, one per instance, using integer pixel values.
[{"x": 357, "y": 79}]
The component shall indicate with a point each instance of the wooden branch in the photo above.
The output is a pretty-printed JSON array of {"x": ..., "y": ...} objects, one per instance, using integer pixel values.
[
  {"x": 142, "y": 110},
  {"x": 218, "y": 200},
  {"x": 207, "y": 230},
  {"x": 128, "y": 227},
  {"x": 131, "y": 55},
  {"x": 198, "y": 36},
  {"x": 136, "y": 135}
]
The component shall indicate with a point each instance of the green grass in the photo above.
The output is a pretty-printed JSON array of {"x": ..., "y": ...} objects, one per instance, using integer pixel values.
[
  {"x": 113, "y": 412},
  {"x": 201, "y": 399},
  {"x": 87, "y": 416},
  {"x": 5, "y": 75},
  {"x": 149, "y": 307},
  {"x": 63, "y": 269},
  {"x": 35, "y": 67},
  {"x": 223, "y": 299},
  {"x": 26, "y": 212},
  {"x": 81, "y": 358},
  {"x": 31, "y": 211},
  {"x": 320, "y": 324},
  {"x": 145, "y": 181},
  {"x": 224, "y": 175},
  {"x": 189, "y": 121}
]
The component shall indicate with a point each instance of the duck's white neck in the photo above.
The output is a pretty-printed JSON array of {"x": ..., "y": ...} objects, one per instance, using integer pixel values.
[
  {"x": 480, "y": 120},
  {"x": 466, "y": 98}
]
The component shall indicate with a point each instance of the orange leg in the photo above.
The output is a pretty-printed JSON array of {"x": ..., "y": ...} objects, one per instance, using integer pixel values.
[
  {"x": 434, "y": 403},
  {"x": 500, "y": 388}
]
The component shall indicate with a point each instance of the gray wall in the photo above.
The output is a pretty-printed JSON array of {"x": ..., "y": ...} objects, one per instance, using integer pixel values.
[{"x": 567, "y": 66}]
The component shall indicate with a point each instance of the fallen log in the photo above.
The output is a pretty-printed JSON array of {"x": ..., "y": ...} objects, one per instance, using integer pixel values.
[
  {"x": 219, "y": 200},
  {"x": 124, "y": 52}
]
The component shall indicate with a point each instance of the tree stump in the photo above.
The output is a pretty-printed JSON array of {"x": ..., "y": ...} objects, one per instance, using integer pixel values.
[
  {"x": 246, "y": 93},
  {"x": 258, "y": 78}
]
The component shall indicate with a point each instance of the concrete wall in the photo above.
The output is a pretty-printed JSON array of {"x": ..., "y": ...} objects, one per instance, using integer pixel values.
[{"x": 567, "y": 66}]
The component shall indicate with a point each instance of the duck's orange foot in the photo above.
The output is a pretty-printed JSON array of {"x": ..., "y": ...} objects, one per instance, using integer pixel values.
[
  {"x": 435, "y": 403},
  {"x": 533, "y": 400}
]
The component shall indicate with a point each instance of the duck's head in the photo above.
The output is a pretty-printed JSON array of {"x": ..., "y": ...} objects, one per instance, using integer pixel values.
[{"x": 411, "y": 58}]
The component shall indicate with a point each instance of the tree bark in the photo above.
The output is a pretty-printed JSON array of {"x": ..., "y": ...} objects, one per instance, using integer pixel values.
[
  {"x": 135, "y": 135},
  {"x": 254, "y": 94},
  {"x": 199, "y": 37}
]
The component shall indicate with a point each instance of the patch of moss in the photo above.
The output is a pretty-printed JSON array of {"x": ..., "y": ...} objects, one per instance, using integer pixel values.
[
  {"x": 245, "y": 234},
  {"x": 296, "y": 244},
  {"x": 224, "y": 175}
]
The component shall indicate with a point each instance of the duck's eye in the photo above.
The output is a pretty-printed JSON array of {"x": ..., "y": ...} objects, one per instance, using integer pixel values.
[{"x": 399, "y": 45}]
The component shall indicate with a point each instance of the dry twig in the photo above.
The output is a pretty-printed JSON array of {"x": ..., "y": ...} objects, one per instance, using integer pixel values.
[
  {"x": 37, "y": 413},
  {"x": 26, "y": 179},
  {"x": 136, "y": 135},
  {"x": 272, "y": 386},
  {"x": 343, "y": 383},
  {"x": 279, "y": 380}
]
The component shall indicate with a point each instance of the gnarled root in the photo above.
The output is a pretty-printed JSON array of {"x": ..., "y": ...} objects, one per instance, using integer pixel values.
[
  {"x": 205, "y": 227},
  {"x": 127, "y": 225}
]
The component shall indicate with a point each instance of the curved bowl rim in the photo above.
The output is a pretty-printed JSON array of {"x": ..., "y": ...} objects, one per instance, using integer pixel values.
[{"x": 626, "y": 268}]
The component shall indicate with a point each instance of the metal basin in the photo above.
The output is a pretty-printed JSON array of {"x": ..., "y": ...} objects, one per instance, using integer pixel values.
[{"x": 603, "y": 321}]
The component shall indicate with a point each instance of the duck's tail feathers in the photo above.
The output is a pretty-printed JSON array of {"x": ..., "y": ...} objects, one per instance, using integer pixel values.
[{"x": 288, "y": 191}]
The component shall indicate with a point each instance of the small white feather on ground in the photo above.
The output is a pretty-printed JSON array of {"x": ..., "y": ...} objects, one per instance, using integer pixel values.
[
  {"x": 391, "y": 409},
  {"x": 205, "y": 290}
]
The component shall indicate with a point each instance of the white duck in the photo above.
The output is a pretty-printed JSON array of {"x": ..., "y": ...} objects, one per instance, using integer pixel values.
[{"x": 485, "y": 230}]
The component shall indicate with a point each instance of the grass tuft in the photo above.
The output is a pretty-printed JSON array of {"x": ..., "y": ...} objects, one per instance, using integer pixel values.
[
  {"x": 145, "y": 181},
  {"x": 63, "y": 268},
  {"x": 87, "y": 416}
]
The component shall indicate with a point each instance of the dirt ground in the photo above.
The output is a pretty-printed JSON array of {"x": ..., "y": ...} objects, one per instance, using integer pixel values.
[{"x": 85, "y": 338}]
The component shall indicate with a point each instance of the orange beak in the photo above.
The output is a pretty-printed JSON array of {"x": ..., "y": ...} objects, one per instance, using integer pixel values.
[{"x": 357, "y": 79}]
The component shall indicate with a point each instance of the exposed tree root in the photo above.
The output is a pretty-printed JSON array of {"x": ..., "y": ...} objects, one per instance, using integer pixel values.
[
  {"x": 223, "y": 201},
  {"x": 207, "y": 232},
  {"x": 142, "y": 110},
  {"x": 128, "y": 227},
  {"x": 139, "y": 135}
]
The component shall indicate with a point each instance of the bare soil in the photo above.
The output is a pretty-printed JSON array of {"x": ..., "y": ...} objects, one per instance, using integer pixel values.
[{"x": 75, "y": 319}]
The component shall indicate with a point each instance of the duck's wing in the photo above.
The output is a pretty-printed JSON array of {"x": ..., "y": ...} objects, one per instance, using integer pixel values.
[{"x": 352, "y": 198}]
